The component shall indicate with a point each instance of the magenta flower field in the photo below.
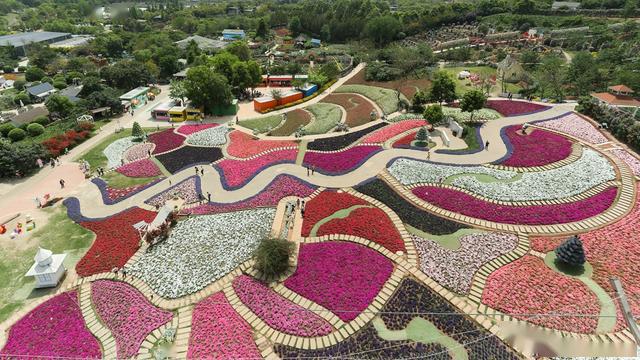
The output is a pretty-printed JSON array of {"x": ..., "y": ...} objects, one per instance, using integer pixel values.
[
  {"x": 243, "y": 145},
  {"x": 469, "y": 205},
  {"x": 386, "y": 133},
  {"x": 166, "y": 140},
  {"x": 278, "y": 312},
  {"x": 341, "y": 276},
  {"x": 537, "y": 148},
  {"x": 190, "y": 129},
  {"x": 514, "y": 107},
  {"x": 127, "y": 313},
  {"x": 140, "y": 169},
  {"x": 237, "y": 172},
  {"x": 54, "y": 329},
  {"x": 218, "y": 332},
  {"x": 340, "y": 162}
]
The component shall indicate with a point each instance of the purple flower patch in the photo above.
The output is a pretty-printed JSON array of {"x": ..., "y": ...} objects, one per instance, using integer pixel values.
[
  {"x": 537, "y": 148},
  {"x": 336, "y": 163}
]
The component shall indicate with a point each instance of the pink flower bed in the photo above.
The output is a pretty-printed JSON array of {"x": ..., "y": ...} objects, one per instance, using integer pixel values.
[
  {"x": 278, "y": 312},
  {"x": 537, "y": 148},
  {"x": 386, "y": 133},
  {"x": 528, "y": 286},
  {"x": 244, "y": 145},
  {"x": 325, "y": 204},
  {"x": 116, "y": 193},
  {"x": 629, "y": 159},
  {"x": 187, "y": 190},
  {"x": 218, "y": 332},
  {"x": 140, "y": 169},
  {"x": 127, "y": 313},
  {"x": 343, "y": 277},
  {"x": 54, "y": 329},
  {"x": 515, "y": 108},
  {"x": 166, "y": 140},
  {"x": 190, "y": 129},
  {"x": 236, "y": 173},
  {"x": 460, "y": 202},
  {"x": 139, "y": 151},
  {"x": 575, "y": 126},
  {"x": 340, "y": 162},
  {"x": 280, "y": 187}
]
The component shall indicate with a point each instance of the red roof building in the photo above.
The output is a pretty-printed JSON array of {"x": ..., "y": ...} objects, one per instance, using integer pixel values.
[{"x": 618, "y": 96}]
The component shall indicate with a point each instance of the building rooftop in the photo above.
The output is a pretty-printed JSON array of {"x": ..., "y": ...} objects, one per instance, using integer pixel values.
[
  {"x": 617, "y": 100},
  {"x": 72, "y": 42},
  {"x": 202, "y": 42},
  {"x": 233, "y": 31},
  {"x": 135, "y": 92},
  {"x": 21, "y": 39},
  {"x": 40, "y": 89},
  {"x": 621, "y": 89}
]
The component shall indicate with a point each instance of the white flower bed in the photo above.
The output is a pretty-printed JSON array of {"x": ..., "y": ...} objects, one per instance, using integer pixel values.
[
  {"x": 590, "y": 170},
  {"x": 202, "y": 249},
  {"x": 214, "y": 136},
  {"x": 463, "y": 116},
  {"x": 115, "y": 151},
  {"x": 576, "y": 126}
]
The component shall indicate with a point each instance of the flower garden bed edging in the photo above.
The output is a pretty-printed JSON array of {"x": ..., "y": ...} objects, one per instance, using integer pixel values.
[
  {"x": 278, "y": 312},
  {"x": 127, "y": 314},
  {"x": 188, "y": 156},
  {"x": 235, "y": 174},
  {"x": 143, "y": 168},
  {"x": 343, "y": 277},
  {"x": 509, "y": 108},
  {"x": 201, "y": 250},
  {"x": 408, "y": 212},
  {"x": 342, "y": 162},
  {"x": 537, "y": 148},
  {"x": 572, "y": 124},
  {"x": 210, "y": 137},
  {"x": 188, "y": 190},
  {"x": 340, "y": 142},
  {"x": 244, "y": 146},
  {"x": 112, "y": 196},
  {"x": 165, "y": 140},
  {"x": 279, "y": 188},
  {"x": 54, "y": 329},
  {"x": 218, "y": 332}
]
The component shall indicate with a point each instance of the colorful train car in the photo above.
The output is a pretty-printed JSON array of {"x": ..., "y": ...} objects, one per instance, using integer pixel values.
[
  {"x": 309, "y": 89},
  {"x": 264, "y": 103},
  {"x": 289, "y": 97},
  {"x": 161, "y": 112}
]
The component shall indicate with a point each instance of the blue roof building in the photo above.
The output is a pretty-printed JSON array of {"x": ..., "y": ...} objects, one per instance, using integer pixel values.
[
  {"x": 316, "y": 42},
  {"x": 233, "y": 34}
]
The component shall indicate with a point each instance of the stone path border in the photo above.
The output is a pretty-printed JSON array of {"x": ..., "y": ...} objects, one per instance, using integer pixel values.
[
  {"x": 576, "y": 153},
  {"x": 94, "y": 324},
  {"x": 150, "y": 341}
]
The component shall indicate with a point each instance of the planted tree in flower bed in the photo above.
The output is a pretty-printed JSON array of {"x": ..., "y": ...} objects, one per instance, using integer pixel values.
[
  {"x": 136, "y": 130},
  {"x": 272, "y": 257},
  {"x": 472, "y": 101},
  {"x": 571, "y": 252},
  {"x": 422, "y": 137}
]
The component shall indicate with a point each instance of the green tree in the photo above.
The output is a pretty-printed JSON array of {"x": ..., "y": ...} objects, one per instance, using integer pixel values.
[
  {"x": 529, "y": 59},
  {"x": 22, "y": 97},
  {"x": 261, "y": 30},
  {"x": 223, "y": 64},
  {"x": 295, "y": 26},
  {"x": 207, "y": 88},
  {"x": 382, "y": 30},
  {"x": 178, "y": 91},
  {"x": 19, "y": 158},
  {"x": 136, "y": 130},
  {"x": 34, "y": 74},
  {"x": 5, "y": 128},
  {"x": 443, "y": 88},
  {"x": 472, "y": 101},
  {"x": 17, "y": 134},
  {"x": 571, "y": 252},
  {"x": 629, "y": 9},
  {"x": 550, "y": 77},
  {"x": 423, "y": 137},
  {"x": 127, "y": 74},
  {"x": 255, "y": 73},
  {"x": 240, "y": 49},
  {"x": 272, "y": 257},
  {"x": 325, "y": 33},
  {"x": 35, "y": 129},
  {"x": 192, "y": 51},
  {"x": 433, "y": 114},
  {"x": 90, "y": 84},
  {"x": 583, "y": 73},
  {"x": 59, "y": 104}
]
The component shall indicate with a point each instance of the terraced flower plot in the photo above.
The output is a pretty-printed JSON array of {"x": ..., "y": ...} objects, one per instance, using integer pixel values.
[{"x": 358, "y": 108}]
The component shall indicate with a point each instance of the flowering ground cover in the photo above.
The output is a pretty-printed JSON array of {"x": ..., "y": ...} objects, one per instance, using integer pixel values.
[
  {"x": 127, "y": 313},
  {"x": 54, "y": 329},
  {"x": 463, "y": 203},
  {"x": 116, "y": 239},
  {"x": 187, "y": 130},
  {"x": 165, "y": 140},
  {"x": 334, "y": 163},
  {"x": 295, "y": 119},
  {"x": 358, "y": 108},
  {"x": 202, "y": 249},
  {"x": 278, "y": 312},
  {"x": 455, "y": 268},
  {"x": 325, "y": 204},
  {"x": 632, "y": 161},
  {"x": 369, "y": 223},
  {"x": 481, "y": 115},
  {"x": 574, "y": 125},
  {"x": 188, "y": 156},
  {"x": 343, "y": 277},
  {"x": 111, "y": 195},
  {"x": 140, "y": 169},
  {"x": 514, "y": 107},
  {"x": 218, "y": 332},
  {"x": 138, "y": 151},
  {"x": 386, "y": 133},
  {"x": 115, "y": 151},
  {"x": 188, "y": 190},
  {"x": 406, "y": 211},
  {"x": 237, "y": 173},
  {"x": 212, "y": 136},
  {"x": 405, "y": 141},
  {"x": 537, "y": 148},
  {"x": 282, "y": 186},
  {"x": 243, "y": 145},
  {"x": 336, "y": 143},
  {"x": 528, "y": 286}
]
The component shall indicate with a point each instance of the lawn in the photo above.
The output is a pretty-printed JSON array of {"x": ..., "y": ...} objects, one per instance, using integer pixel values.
[
  {"x": 262, "y": 125},
  {"x": 469, "y": 137},
  {"x": 117, "y": 180},
  {"x": 327, "y": 116},
  {"x": 358, "y": 108},
  {"x": 59, "y": 235},
  {"x": 386, "y": 99}
]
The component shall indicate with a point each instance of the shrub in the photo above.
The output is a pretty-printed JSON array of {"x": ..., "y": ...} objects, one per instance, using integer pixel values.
[
  {"x": 19, "y": 85},
  {"x": 19, "y": 157},
  {"x": 34, "y": 74},
  {"x": 42, "y": 120},
  {"x": 22, "y": 68},
  {"x": 272, "y": 256},
  {"x": 35, "y": 129},
  {"x": 7, "y": 69},
  {"x": 137, "y": 131},
  {"x": 434, "y": 114},
  {"x": 571, "y": 252},
  {"x": 17, "y": 135},
  {"x": 5, "y": 128},
  {"x": 84, "y": 126},
  {"x": 21, "y": 97},
  {"x": 46, "y": 79},
  {"x": 59, "y": 84}
]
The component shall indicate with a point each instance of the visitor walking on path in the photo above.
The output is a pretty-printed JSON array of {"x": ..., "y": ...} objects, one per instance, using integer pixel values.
[
  {"x": 197, "y": 171},
  {"x": 486, "y": 145},
  {"x": 208, "y": 196},
  {"x": 307, "y": 170},
  {"x": 428, "y": 154},
  {"x": 313, "y": 169},
  {"x": 202, "y": 171},
  {"x": 61, "y": 183}
]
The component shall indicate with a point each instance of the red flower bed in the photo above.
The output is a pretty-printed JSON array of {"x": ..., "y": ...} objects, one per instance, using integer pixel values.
[
  {"x": 405, "y": 141},
  {"x": 369, "y": 223},
  {"x": 514, "y": 108},
  {"x": 459, "y": 202},
  {"x": 537, "y": 148},
  {"x": 166, "y": 140},
  {"x": 358, "y": 108},
  {"x": 116, "y": 241},
  {"x": 56, "y": 145},
  {"x": 243, "y": 145},
  {"x": 325, "y": 204},
  {"x": 528, "y": 286}
]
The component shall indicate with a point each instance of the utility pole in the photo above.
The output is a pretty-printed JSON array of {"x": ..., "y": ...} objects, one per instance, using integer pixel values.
[{"x": 626, "y": 310}]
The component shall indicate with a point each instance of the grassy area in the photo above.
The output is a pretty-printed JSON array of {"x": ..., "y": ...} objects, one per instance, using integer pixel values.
[
  {"x": 117, "y": 180},
  {"x": 327, "y": 116},
  {"x": 60, "y": 235},
  {"x": 469, "y": 137},
  {"x": 262, "y": 125},
  {"x": 386, "y": 99}
]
